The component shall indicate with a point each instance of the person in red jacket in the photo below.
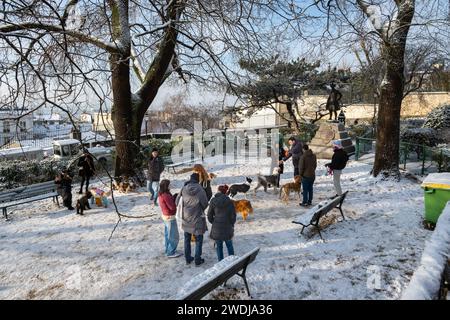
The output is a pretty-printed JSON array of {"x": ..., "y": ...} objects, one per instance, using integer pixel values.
[{"x": 169, "y": 209}]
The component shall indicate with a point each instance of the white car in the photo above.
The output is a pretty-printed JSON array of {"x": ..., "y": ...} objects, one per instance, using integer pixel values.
[{"x": 69, "y": 148}]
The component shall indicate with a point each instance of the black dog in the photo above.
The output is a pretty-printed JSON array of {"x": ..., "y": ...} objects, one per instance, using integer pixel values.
[
  {"x": 83, "y": 203},
  {"x": 243, "y": 188}
]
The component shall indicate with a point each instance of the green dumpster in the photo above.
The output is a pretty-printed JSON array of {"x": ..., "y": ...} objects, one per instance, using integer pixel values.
[{"x": 437, "y": 192}]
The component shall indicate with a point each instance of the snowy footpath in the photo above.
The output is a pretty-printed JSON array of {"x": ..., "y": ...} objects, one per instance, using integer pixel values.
[{"x": 51, "y": 253}]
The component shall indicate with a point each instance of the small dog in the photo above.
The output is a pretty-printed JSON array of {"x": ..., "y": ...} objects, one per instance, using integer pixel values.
[
  {"x": 83, "y": 203},
  {"x": 212, "y": 176},
  {"x": 243, "y": 207},
  {"x": 269, "y": 181},
  {"x": 242, "y": 188},
  {"x": 125, "y": 185},
  {"x": 286, "y": 190}
]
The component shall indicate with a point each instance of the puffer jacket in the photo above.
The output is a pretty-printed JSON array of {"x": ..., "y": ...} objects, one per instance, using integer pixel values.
[
  {"x": 308, "y": 164},
  {"x": 222, "y": 216},
  {"x": 194, "y": 204},
  {"x": 339, "y": 160}
]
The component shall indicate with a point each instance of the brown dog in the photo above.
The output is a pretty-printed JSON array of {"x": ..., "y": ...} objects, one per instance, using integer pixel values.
[
  {"x": 243, "y": 207},
  {"x": 83, "y": 203},
  {"x": 286, "y": 190},
  {"x": 125, "y": 185}
]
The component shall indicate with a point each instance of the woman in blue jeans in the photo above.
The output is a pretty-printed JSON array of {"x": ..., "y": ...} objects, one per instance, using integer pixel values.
[
  {"x": 168, "y": 208},
  {"x": 307, "y": 170},
  {"x": 155, "y": 168},
  {"x": 222, "y": 216}
]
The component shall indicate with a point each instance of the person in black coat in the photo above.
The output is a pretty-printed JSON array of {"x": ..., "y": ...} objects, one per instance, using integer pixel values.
[
  {"x": 64, "y": 182},
  {"x": 281, "y": 155},
  {"x": 222, "y": 216},
  {"x": 86, "y": 169},
  {"x": 337, "y": 164},
  {"x": 155, "y": 168}
]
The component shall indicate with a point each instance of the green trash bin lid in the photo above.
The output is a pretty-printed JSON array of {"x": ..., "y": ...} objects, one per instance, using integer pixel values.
[{"x": 437, "y": 181}]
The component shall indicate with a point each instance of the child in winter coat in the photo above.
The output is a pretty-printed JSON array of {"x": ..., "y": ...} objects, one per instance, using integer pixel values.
[{"x": 169, "y": 208}]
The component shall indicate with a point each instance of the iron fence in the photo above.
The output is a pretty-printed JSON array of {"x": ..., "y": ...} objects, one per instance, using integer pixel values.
[{"x": 413, "y": 157}]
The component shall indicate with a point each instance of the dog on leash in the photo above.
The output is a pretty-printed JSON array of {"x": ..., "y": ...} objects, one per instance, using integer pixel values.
[
  {"x": 243, "y": 207},
  {"x": 239, "y": 188},
  {"x": 286, "y": 189},
  {"x": 269, "y": 181},
  {"x": 83, "y": 203}
]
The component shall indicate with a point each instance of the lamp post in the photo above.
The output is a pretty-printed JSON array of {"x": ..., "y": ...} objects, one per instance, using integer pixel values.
[
  {"x": 341, "y": 117},
  {"x": 146, "y": 120}
]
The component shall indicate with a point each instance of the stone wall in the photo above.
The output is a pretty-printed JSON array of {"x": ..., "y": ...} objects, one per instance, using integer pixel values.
[{"x": 417, "y": 104}]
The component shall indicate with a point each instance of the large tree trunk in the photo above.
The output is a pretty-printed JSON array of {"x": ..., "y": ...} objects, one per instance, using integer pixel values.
[
  {"x": 391, "y": 93},
  {"x": 122, "y": 116},
  {"x": 388, "y": 125},
  {"x": 129, "y": 109}
]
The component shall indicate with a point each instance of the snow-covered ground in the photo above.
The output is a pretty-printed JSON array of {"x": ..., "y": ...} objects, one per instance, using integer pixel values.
[{"x": 51, "y": 253}]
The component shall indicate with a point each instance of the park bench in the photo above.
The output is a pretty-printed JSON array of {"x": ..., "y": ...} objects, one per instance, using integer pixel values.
[
  {"x": 312, "y": 217},
  {"x": 26, "y": 194},
  {"x": 172, "y": 165},
  {"x": 213, "y": 277}
]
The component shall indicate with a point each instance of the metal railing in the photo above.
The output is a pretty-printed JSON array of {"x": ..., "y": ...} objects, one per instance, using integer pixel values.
[{"x": 413, "y": 156}]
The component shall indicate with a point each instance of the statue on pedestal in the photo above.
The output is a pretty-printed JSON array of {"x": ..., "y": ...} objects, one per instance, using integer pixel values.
[{"x": 333, "y": 102}]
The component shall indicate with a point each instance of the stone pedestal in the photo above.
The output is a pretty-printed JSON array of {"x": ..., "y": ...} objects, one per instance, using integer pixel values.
[{"x": 322, "y": 143}]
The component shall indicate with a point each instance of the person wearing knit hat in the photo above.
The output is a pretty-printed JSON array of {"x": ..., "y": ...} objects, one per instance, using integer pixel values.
[
  {"x": 223, "y": 188},
  {"x": 194, "y": 177},
  {"x": 337, "y": 164},
  {"x": 337, "y": 144},
  {"x": 222, "y": 216}
]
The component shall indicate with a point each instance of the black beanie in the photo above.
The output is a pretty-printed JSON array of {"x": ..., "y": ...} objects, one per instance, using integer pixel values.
[{"x": 195, "y": 177}]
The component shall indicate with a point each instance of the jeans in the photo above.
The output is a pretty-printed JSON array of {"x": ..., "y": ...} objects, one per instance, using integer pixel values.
[
  {"x": 84, "y": 178},
  {"x": 171, "y": 236},
  {"x": 337, "y": 181},
  {"x": 219, "y": 248},
  {"x": 307, "y": 185},
  {"x": 198, "y": 248},
  {"x": 153, "y": 188}
]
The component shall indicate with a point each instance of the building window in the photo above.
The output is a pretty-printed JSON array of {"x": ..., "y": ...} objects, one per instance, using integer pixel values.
[
  {"x": 6, "y": 127},
  {"x": 23, "y": 126}
]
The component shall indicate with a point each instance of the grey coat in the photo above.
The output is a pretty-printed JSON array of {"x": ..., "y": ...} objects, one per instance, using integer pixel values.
[
  {"x": 222, "y": 216},
  {"x": 194, "y": 204}
]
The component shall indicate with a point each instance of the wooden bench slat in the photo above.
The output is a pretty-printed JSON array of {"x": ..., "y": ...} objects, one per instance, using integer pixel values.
[
  {"x": 217, "y": 279},
  {"x": 27, "y": 200},
  {"x": 26, "y": 194},
  {"x": 313, "y": 216}
]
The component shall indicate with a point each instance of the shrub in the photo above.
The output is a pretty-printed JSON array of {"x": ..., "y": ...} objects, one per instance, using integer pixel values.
[
  {"x": 425, "y": 136},
  {"x": 164, "y": 147},
  {"x": 439, "y": 118},
  {"x": 360, "y": 130},
  {"x": 17, "y": 173}
]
